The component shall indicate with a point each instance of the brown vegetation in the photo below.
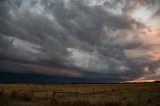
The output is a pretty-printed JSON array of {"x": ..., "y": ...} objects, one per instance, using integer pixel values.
[{"x": 80, "y": 94}]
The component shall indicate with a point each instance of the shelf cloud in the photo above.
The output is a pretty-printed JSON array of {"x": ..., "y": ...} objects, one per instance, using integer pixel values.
[{"x": 116, "y": 39}]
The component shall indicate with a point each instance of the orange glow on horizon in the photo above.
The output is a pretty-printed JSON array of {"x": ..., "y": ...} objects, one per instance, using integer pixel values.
[{"x": 141, "y": 79}]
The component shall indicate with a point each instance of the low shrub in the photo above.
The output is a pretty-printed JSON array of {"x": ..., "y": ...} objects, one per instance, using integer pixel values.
[
  {"x": 14, "y": 94},
  {"x": 1, "y": 92},
  {"x": 130, "y": 103},
  {"x": 28, "y": 96},
  {"x": 149, "y": 101},
  {"x": 54, "y": 101},
  {"x": 114, "y": 103}
]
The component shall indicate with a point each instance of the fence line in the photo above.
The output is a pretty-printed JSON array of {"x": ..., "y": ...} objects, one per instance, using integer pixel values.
[{"x": 78, "y": 95}]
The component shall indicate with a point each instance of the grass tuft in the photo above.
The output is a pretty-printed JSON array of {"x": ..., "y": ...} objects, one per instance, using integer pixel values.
[{"x": 113, "y": 103}]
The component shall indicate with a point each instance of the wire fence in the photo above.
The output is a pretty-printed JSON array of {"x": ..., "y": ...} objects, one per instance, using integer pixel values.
[{"x": 78, "y": 94}]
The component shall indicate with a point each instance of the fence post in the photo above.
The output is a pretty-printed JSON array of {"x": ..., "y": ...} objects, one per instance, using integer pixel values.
[
  {"x": 36, "y": 86},
  {"x": 46, "y": 94},
  {"x": 54, "y": 94},
  {"x": 76, "y": 92},
  {"x": 93, "y": 91},
  {"x": 139, "y": 99},
  {"x": 78, "y": 97},
  {"x": 32, "y": 92}
]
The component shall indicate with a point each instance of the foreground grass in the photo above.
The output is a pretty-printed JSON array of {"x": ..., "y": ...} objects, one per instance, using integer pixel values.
[{"x": 147, "y": 94}]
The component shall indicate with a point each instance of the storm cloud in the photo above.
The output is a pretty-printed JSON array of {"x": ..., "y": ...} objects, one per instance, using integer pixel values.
[{"x": 90, "y": 38}]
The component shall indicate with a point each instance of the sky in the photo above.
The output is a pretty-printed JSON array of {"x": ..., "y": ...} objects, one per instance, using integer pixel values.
[{"x": 117, "y": 40}]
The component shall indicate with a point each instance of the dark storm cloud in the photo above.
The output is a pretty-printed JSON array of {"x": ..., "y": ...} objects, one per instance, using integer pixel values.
[{"x": 71, "y": 33}]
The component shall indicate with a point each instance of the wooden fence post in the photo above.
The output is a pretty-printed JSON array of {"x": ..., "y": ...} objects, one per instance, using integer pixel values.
[
  {"x": 78, "y": 97},
  {"x": 139, "y": 99},
  {"x": 54, "y": 94},
  {"x": 76, "y": 92},
  {"x": 46, "y": 94},
  {"x": 93, "y": 91},
  {"x": 32, "y": 92}
]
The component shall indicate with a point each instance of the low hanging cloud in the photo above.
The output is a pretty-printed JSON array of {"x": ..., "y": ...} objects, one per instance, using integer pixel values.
[{"x": 104, "y": 37}]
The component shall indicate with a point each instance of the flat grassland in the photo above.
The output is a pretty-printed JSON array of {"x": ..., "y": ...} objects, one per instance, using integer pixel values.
[{"x": 133, "y": 94}]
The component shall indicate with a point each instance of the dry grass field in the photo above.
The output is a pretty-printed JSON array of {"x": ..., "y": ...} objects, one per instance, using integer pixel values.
[{"x": 135, "y": 94}]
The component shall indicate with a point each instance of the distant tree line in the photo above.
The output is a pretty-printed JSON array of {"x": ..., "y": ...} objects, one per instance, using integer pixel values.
[{"x": 156, "y": 81}]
